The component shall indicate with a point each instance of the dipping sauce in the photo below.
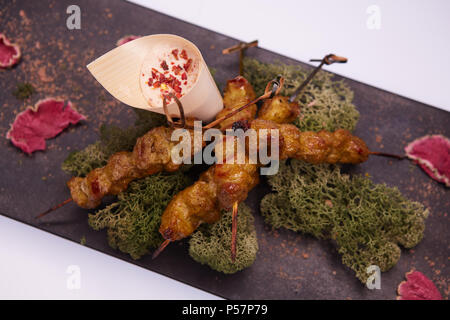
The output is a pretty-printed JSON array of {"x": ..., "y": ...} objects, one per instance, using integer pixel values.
[{"x": 170, "y": 67}]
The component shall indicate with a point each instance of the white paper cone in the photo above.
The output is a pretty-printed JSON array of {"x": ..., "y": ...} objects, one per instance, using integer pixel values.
[{"x": 120, "y": 69}]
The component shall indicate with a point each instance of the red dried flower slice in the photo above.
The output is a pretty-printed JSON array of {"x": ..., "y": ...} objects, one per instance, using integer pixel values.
[
  {"x": 46, "y": 120},
  {"x": 126, "y": 39},
  {"x": 9, "y": 52},
  {"x": 417, "y": 287},
  {"x": 432, "y": 153}
]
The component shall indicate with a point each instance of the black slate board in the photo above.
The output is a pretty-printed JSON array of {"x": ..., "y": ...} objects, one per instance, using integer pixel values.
[{"x": 31, "y": 184}]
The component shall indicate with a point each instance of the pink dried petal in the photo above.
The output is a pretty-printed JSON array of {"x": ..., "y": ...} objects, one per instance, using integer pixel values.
[
  {"x": 126, "y": 39},
  {"x": 432, "y": 153},
  {"x": 46, "y": 120},
  {"x": 9, "y": 52},
  {"x": 417, "y": 287}
]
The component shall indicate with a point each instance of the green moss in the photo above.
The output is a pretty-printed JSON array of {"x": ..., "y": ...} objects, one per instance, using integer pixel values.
[
  {"x": 79, "y": 163},
  {"x": 211, "y": 244},
  {"x": 112, "y": 139},
  {"x": 367, "y": 221},
  {"x": 325, "y": 103},
  {"x": 23, "y": 91},
  {"x": 132, "y": 222}
]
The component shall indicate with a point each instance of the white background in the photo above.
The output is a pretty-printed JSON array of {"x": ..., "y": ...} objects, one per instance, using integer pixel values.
[{"x": 408, "y": 55}]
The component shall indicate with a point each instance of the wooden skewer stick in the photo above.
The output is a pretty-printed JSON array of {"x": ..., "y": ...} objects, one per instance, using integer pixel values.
[
  {"x": 54, "y": 208},
  {"x": 328, "y": 59},
  {"x": 161, "y": 248},
  {"x": 234, "y": 231},
  {"x": 390, "y": 155},
  {"x": 242, "y": 47},
  {"x": 272, "y": 89},
  {"x": 182, "y": 123}
]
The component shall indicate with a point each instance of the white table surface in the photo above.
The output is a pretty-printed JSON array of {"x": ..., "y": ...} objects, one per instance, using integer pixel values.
[{"x": 406, "y": 55}]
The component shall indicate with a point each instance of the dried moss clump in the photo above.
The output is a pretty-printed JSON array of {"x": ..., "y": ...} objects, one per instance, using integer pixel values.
[
  {"x": 366, "y": 220},
  {"x": 211, "y": 244},
  {"x": 132, "y": 222},
  {"x": 79, "y": 163},
  {"x": 325, "y": 104},
  {"x": 23, "y": 91},
  {"x": 112, "y": 139}
]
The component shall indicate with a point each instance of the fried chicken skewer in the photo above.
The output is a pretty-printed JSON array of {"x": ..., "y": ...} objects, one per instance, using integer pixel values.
[
  {"x": 152, "y": 153},
  {"x": 224, "y": 185}
]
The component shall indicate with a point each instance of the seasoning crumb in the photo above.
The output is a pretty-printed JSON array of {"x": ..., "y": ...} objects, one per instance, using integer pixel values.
[
  {"x": 42, "y": 73},
  {"x": 378, "y": 138}
]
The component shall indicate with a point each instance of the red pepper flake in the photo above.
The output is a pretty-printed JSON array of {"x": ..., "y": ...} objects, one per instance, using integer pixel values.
[
  {"x": 172, "y": 62},
  {"x": 175, "y": 53},
  {"x": 169, "y": 81},
  {"x": 184, "y": 76},
  {"x": 143, "y": 75},
  {"x": 184, "y": 54},
  {"x": 185, "y": 83},
  {"x": 164, "y": 65},
  {"x": 176, "y": 70},
  {"x": 156, "y": 84},
  {"x": 187, "y": 65},
  {"x": 178, "y": 95},
  {"x": 154, "y": 73},
  {"x": 177, "y": 89},
  {"x": 150, "y": 82}
]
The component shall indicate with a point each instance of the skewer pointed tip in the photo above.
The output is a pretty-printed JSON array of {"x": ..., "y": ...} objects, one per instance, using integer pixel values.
[
  {"x": 161, "y": 248},
  {"x": 54, "y": 208},
  {"x": 390, "y": 155}
]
